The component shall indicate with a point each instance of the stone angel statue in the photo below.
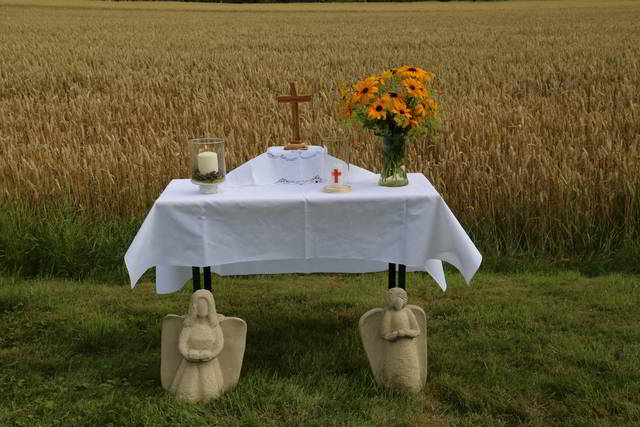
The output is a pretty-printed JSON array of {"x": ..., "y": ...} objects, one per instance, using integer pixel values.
[
  {"x": 395, "y": 341},
  {"x": 202, "y": 352}
]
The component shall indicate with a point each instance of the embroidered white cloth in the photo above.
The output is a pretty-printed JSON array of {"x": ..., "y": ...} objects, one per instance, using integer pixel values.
[
  {"x": 311, "y": 166},
  {"x": 281, "y": 228},
  {"x": 282, "y": 166}
]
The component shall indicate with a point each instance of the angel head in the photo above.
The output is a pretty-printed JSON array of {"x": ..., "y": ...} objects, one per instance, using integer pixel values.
[
  {"x": 395, "y": 299},
  {"x": 202, "y": 305}
]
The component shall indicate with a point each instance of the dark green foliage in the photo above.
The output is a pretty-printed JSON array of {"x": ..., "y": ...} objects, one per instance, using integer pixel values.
[{"x": 63, "y": 244}]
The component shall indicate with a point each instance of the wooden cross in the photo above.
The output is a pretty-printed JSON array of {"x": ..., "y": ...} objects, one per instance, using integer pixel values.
[{"x": 295, "y": 143}]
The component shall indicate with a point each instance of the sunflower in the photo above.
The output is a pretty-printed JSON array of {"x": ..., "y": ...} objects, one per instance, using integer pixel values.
[
  {"x": 374, "y": 80},
  {"x": 414, "y": 87},
  {"x": 431, "y": 106},
  {"x": 346, "y": 110},
  {"x": 402, "y": 117},
  {"x": 400, "y": 70},
  {"x": 365, "y": 90},
  {"x": 376, "y": 111},
  {"x": 344, "y": 93},
  {"x": 426, "y": 76},
  {"x": 420, "y": 109},
  {"x": 417, "y": 73},
  {"x": 393, "y": 100}
]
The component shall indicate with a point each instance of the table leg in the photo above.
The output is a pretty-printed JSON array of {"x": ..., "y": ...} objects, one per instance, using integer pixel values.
[
  {"x": 207, "y": 278},
  {"x": 195, "y": 271},
  {"x": 392, "y": 275},
  {"x": 402, "y": 275}
]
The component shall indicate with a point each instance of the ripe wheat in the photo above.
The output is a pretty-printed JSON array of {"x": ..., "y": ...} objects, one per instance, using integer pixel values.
[{"x": 541, "y": 148}]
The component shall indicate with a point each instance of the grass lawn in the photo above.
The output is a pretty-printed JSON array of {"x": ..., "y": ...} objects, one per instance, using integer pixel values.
[{"x": 528, "y": 349}]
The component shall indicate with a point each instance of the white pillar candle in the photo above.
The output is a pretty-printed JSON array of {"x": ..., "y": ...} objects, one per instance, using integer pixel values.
[
  {"x": 207, "y": 162},
  {"x": 336, "y": 174}
]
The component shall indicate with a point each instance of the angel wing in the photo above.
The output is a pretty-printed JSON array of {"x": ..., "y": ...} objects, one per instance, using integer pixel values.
[
  {"x": 170, "y": 356},
  {"x": 235, "y": 339},
  {"x": 421, "y": 340},
  {"x": 372, "y": 341}
]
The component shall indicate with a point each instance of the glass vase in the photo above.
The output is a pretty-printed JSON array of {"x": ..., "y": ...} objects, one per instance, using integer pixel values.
[
  {"x": 394, "y": 171},
  {"x": 337, "y": 147},
  {"x": 207, "y": 163}
]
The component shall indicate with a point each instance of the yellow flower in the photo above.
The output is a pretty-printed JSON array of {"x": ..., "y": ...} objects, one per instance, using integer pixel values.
[
  {"x": 374, "y": 80},
  {"x": 418, "y": 73},
  {"x": 365, "y": 90},
  {"x": 346, "y": 102},
  {"x": 400, "y": 70},
  {"x": 402, "y": 117},
  {"x": 406, "y": 112},
  {"x": 414, "y": 87},
  {"x": 393, "y": 101},
  {"x": 425, "y": 76},
  {"x": 420, "y": 109},
  {"x": 346, "y": 110},
  {"x": 376, "y": 110},
  {"x": 427, "y": 107},
  {"x": 431, "y": 106},
  {"x": 344, "y": 93},
  {"x": 413, "y": 72}
]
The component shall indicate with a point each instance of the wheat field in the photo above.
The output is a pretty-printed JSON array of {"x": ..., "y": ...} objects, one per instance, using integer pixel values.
[{"x": 541, "y": 148}]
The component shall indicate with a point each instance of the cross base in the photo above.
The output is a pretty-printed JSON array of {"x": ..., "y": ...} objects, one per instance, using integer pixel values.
[
  {"x": 336, "y": 188},
  {"x": 292, "y": 146}
]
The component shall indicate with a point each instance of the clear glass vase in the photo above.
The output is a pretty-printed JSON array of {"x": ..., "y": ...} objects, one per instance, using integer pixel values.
[
  {"x": 207, "y": 163},
  {"x": 337, "y": 147},
  {"x": 394, "y": 171}
]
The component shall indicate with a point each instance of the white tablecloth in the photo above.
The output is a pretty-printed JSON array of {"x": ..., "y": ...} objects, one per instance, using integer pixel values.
[{"x": 284, "y": 228}]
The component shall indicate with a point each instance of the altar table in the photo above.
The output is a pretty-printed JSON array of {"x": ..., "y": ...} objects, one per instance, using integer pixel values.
[{"x": 291, "y": 228}]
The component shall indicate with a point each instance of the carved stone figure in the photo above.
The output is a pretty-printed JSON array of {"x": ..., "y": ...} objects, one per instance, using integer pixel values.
[
  {"x": 202, "y": 352},
  {"x": 395, "y": 340}
]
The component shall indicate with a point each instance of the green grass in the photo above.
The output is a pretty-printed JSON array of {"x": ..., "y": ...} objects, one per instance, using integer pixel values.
[
  {"x": 65, "y": 243},
  {"x": 526, "y": 349}
]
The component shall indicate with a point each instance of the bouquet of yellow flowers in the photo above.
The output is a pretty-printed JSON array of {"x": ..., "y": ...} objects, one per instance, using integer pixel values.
[
  {"x": 398, "y": 102},
  {"x": 395, "y": 105}
]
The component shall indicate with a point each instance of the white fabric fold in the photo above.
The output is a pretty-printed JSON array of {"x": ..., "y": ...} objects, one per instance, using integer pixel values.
[
  {"x": 294, "y": 166},
  {"x": 288, "y": 228}
]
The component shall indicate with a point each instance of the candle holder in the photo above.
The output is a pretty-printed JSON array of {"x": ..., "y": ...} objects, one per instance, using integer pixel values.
[
  {"x": 207, "y": 163},
  {"x": 339, "y": 146}
]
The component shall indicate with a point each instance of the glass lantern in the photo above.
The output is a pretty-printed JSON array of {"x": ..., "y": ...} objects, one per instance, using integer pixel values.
[
  {"x": 338, "y": 146},
  {"x": 207, "y": 163}
]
